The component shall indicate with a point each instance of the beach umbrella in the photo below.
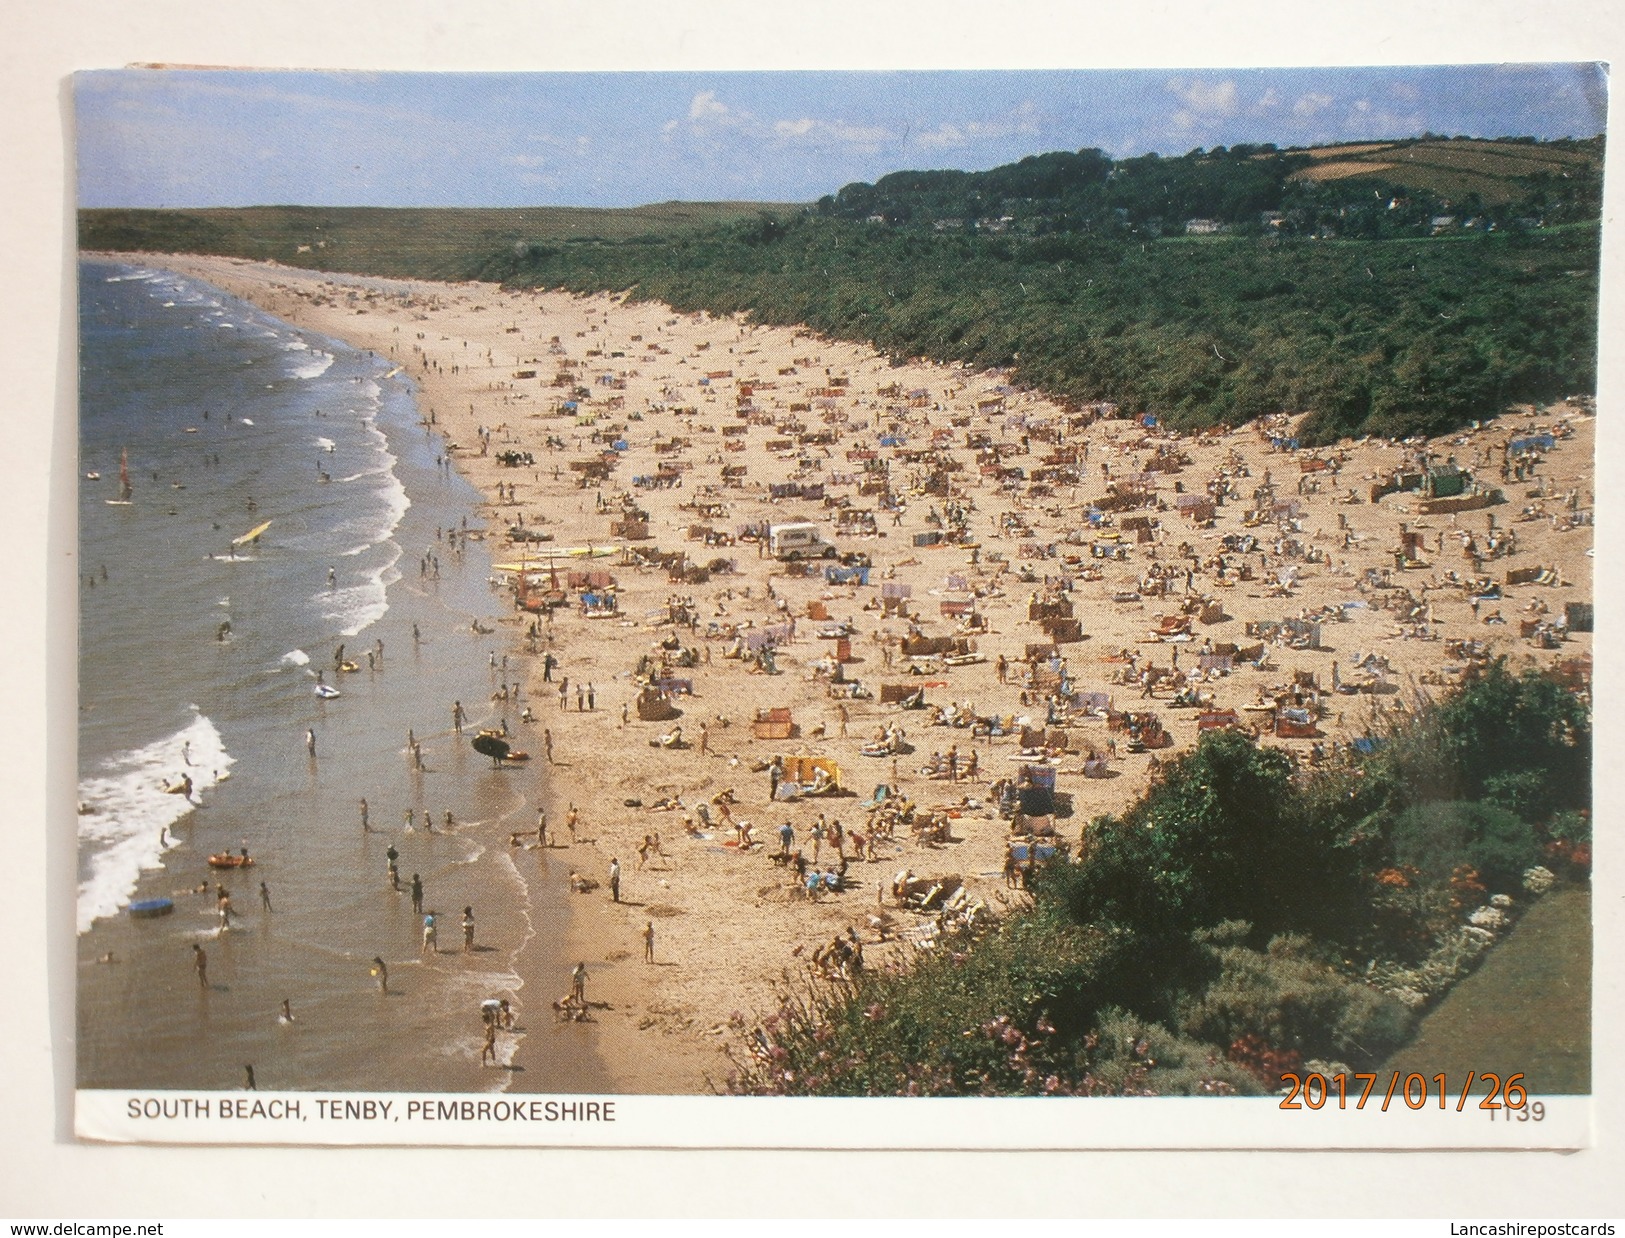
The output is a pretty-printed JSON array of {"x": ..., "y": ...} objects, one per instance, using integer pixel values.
[{"x": 493, "y": 746}]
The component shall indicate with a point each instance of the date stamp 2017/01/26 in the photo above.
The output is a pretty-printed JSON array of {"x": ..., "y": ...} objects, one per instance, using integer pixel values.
[{"x": 1414, "y": 1091}]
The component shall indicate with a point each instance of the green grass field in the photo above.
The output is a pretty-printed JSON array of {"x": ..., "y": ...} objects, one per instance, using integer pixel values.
[
  {"x": 1454, "y": 168},
  {"x": 426, "y": 243},
  {"x": 1492, "y": 169},
  {"x": 1527, "y": 1009}
]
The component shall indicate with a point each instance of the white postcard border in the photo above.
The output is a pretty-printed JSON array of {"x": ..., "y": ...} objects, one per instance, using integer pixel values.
[{"x": 417, "y": 1119}]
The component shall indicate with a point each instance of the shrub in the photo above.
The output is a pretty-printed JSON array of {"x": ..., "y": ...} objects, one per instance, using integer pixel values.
[
  {"x": 1128, "y": 1055},
  {"x": 1570, "y": 826},
  {"x": 1456, "y": 954},
  {"x": 1220, "y": 837},
  {"x": 1292, "y": 999},
  {"x": 997, "y": 1016},
  {"x": 1438, "y": 838}
]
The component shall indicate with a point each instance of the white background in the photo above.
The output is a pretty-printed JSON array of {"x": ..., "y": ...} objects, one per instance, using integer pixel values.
[{"x": 45, "y": 1174}]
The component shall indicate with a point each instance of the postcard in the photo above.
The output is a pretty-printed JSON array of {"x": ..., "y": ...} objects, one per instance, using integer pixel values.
[{"x": 708, "y": 609}]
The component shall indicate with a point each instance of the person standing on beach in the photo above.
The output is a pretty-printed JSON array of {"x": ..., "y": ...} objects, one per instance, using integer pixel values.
[
  {"x": 705, "y": 739},
  {"x": 431, "y": 935},
  {"x": 468, "y": 929},
  {"x": 457, "y": 717},
  {"x": 592, "y": 700},
  {"x": 547, "y": 744},
  {"x": 775, "y": 771},
  {"x": 548, "y": 663},
  {"x": 365, "y": 827},
  {"x": 541, "y": 827},
  {"x": 570, "y": 819},
  {"x": 649, "y": 942},
  {"x": 417, "y": 894},
  {"x": 265, "y": 896},
  {"x": 490, "y": 1048},
  {"x": 200, "y": 964},
  {"x": 578, "y": 985},
  {"x": 381, "y": 972},
  {"x": 310, "y": 742},
  {"x": 614, "y": 879},
  {"x": 581, "y": 698}
]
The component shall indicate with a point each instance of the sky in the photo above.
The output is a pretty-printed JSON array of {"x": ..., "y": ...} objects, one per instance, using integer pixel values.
[{"x": 193, "y": 138}]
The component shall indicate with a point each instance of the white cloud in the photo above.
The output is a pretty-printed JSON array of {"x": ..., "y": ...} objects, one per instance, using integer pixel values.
[
  {"x": 858, "y": 135},
  {"x": 1206, "y": 98},
  {"x": 1312, "y": 103},
  {"x": 943, "y": 136},
  {"x": 1023, "y": 119},
  {"x": 1268, "y": 100},
  {"x": 811, "y": 131},
  {"x": 707, "y": 107}
]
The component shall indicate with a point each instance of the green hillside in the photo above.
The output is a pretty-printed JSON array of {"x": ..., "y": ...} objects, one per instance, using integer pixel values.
[
  {"x": 1381, "y": 287},
  {"x": 446, "y": 243},
  {"x": 1498, "y": 173}
]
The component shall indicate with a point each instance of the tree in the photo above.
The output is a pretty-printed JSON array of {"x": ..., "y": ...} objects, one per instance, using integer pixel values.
[{"x": 1221, "y": 837}]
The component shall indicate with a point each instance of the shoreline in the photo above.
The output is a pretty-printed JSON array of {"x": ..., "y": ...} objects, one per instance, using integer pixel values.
[
  {"x": 331, "y": 910},
  {"x": 726, "y": 927}
]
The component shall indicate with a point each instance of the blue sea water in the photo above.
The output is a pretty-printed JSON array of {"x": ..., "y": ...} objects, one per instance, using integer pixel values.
[
  {"x": 199, "y": 658},
  {"x": 228, "y": 419}
]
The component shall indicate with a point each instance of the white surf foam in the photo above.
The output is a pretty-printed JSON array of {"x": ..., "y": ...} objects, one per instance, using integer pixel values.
[
  {"x": 358, "y": 607},
  {"x": 295, "y": 657},
  {"x": 379, "y": 523},
  {"x": 128, "y": 806},
  {"x": 315, "y": 367}
]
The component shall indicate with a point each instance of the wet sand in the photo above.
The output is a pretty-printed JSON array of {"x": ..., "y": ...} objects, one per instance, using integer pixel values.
[{"x": 728, "y": 927}]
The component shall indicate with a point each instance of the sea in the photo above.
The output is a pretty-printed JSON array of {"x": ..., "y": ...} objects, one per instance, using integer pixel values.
[{"x": 201, "y": 731}]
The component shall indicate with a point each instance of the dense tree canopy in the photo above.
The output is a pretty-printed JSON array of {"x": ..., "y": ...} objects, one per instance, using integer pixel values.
[{"x": 1390, "y": 337}]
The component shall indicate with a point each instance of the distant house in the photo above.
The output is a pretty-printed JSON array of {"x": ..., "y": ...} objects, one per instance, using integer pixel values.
[
  {"x": 1202, "y": 227},
  {"x": 1272, "y": 219},
  {"x": 1442, "y": 223},
  {"x": 948, "y": 225},
  {"x": 877, "y": 219}
]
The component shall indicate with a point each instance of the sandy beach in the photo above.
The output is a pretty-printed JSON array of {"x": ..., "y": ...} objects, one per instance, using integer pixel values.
[{"x": 650, "y": 431}]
